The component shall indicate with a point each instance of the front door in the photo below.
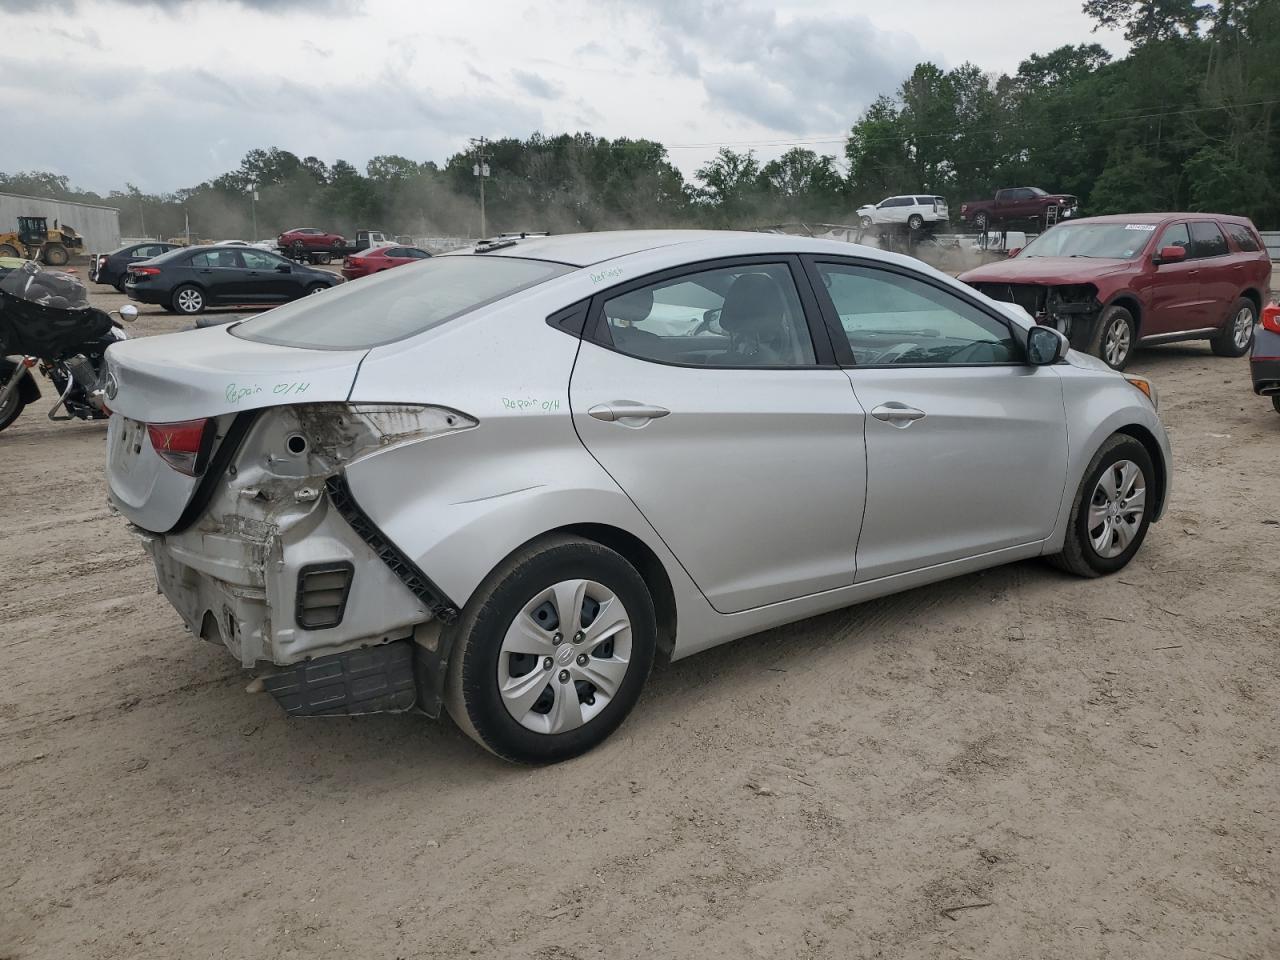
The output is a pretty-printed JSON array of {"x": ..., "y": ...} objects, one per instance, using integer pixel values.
[
  {"x": 701, "y": 395},
  {"x": 966, "y": 443},
  {"x": 1176, "y": 303},
  {"x": 264, "y": 281}
]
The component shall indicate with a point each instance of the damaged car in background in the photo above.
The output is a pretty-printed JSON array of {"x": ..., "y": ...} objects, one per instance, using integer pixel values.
[
  {"x": 500, "y": 482},
  {"x": 1113, "y": 283}
]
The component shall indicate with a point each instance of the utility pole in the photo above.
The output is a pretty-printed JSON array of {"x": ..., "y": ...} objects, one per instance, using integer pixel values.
[
  {"x": 480, "y": 169},
  {"x": 253, "y": 202}
]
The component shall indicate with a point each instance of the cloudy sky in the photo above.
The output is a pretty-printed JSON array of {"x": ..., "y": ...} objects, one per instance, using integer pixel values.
[{"x": 167, "y": 93}]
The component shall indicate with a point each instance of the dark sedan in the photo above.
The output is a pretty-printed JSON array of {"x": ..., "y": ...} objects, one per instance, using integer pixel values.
[
  {"x": 113, "y": 268},
  {"x": 188, "y": 280},
  {"x": 1265, "y": 362}
]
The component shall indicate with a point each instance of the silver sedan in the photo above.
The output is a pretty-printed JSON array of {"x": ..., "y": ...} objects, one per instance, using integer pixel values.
[{"x": 502, "y": 482}]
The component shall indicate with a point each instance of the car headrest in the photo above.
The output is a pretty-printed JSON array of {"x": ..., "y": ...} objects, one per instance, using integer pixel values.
[
  {"x": 753, "y": 304},
  {"x": 630, "y": 307}
]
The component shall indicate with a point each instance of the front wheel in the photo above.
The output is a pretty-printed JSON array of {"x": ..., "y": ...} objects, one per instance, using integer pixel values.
[
  {"x": 316, "y": 288},
  {"x": 1115, "y": 338},
  {"x": 550, "y": 654},
  {"x": 1235, "y": 339},
  {"x": 865, "y": 223},
  {"x": 1112, "y": 510},
  {"x": 8, "y": 250},
  {"x": 981, "y": 221},
  {"x": 55, "y": 255},
  {"x": 12, "y": 408},
  {"x": 189, "y": 300},
  {"x": 915, "y": 221}
]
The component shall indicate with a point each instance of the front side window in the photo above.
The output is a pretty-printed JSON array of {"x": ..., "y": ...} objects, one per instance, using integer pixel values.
[
  {"x": 257, "y": 260},
  {"x": 397, "y": 303},
  {"x": 224, "y": 259},
  {"x": 1176, "y": 235},
  {"x": 892, "y": 319},
  {"x": 1208, "y": 239},
  {"x": 744, "y": 316}
]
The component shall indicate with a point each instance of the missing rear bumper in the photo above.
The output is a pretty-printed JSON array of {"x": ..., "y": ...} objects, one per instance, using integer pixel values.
[{"x": 371, "y": 680}]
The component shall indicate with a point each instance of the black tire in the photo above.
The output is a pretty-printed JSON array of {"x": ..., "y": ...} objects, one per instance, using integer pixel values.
[
  {"x": 472, "y": 693},
  {"x": 119, "y": 284},
  {"x": 55, "y": 255},
  {"x": 915, "y": 221},
  {"x": 188, "y": 299},
  {"x": 865, "y": 223},
  {"x": 339, "y": 246},
  {"x": 12, "y": 409},
  {"x": 1275, "y": 402},
  {"x": 1079, "y": 556},
  {"x": 299, "y": 249},
  {"x": 1225, "y": 344},
  {"x": 8, "y": 250},
  {"x": 1115, "y": 338}
]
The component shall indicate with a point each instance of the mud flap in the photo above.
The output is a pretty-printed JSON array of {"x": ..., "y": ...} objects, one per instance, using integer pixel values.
[{"x": 371, "y": 680}]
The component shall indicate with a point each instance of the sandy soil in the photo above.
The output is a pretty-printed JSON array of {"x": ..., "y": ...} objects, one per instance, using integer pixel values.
[{"x": 1009, "y": 765}]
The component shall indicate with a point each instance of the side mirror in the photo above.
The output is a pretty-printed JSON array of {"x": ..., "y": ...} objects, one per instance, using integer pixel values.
[
  {"x": 128, "y": 313},
  {"x": 1171, "y": 255},
  {"x": 1045, "y": 345},
  {"x": 283, "y": 268}
]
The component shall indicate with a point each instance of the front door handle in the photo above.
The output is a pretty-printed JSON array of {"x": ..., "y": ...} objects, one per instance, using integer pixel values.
[
  {"x": 622, "y": 410},
  {"x": 897, "y": 414}
]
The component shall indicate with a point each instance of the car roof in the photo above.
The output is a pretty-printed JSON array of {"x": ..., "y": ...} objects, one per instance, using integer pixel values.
[
  {"x": 586, "y": 249},
  {"x": 1158, "y": 218}
]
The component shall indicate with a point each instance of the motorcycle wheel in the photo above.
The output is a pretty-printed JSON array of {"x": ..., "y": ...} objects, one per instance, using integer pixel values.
[{"x": 11, "y": 409}]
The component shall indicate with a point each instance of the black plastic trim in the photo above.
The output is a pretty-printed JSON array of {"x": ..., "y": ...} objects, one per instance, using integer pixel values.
[
  {"x": 319, "y": 569},
  {"x": 419, "y": 584},
  {"x": 571, "y": 319},
  {"x": 369, "y": 680},
  {"x": 217, "y": 468}
]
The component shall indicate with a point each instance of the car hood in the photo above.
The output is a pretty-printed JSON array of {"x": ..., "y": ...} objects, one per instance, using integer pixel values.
[{"x": 1045, "y": 270}]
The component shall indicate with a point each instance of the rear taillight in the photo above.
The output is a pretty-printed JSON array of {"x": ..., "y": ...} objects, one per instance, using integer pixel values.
[
  {"x": 183, "y": 445},
  {"x": 1271, "y": 317},
  {"x": 145, "y": 271}
]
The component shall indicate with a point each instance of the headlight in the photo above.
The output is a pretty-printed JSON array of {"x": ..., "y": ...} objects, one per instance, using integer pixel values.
[{"x": 1147, "y": 387}]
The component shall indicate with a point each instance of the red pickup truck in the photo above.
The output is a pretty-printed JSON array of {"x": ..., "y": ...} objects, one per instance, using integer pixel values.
[{"x": 1017, "y": 204}]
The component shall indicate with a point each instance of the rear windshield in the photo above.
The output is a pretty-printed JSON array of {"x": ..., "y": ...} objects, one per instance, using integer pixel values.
[
  {"x": 396, "y": 304},
  {"x": 1110, "y": 241}
]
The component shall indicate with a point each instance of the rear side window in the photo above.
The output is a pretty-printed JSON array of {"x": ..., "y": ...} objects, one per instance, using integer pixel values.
[
  {"x": 1243, "y": 237},
  {"x": 1208, "y": 239},
  {"x": 397, "y": 303}
]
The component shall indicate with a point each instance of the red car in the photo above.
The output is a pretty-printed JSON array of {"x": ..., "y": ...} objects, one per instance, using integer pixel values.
[
  {"x": 1111, "y": 283},
  {"x": 302, "y": 240},
  {"x": 380, "y": 258}
]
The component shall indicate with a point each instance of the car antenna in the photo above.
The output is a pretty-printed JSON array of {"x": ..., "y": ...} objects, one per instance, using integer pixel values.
[{"x": 507, "y": 240}]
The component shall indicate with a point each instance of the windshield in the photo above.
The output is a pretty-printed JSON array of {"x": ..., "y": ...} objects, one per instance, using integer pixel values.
[
  {"x": 1110, "y": 241},
  {"x": 396, "y": 304}
]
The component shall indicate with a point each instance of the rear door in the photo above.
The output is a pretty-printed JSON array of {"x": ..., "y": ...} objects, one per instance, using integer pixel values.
[
  {"x": 966, "y": 444},
  {"x": 1219, "y": 285},
  {"x": 704, "y": 395}
]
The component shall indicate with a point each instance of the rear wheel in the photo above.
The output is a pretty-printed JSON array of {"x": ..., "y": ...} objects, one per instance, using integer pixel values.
[
  {"x": 119, "y": 284},
  {"x": 299, "y": 250},
  {"x": 1115, "y": 337},
  {"x": 551, "y": 652},
  {"x": 915, "y": 221},
  {"x": 1235, "y": 339},
  {"x": 55, "y": 255},
  {"x": 1112, "y": 510},
  {"x": 8, "y": 250},
  {"x": 189, "y": 300},
  {"x": 981, "y": 221}
]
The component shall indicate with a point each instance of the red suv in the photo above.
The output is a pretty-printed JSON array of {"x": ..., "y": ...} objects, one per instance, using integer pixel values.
[
  {"x": 1111, "y": 283},
  {"x": 302, "y": 240}
]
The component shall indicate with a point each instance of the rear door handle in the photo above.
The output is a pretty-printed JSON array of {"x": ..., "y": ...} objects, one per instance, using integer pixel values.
[
  {"x": 897, "y": 414},
  {"x": 623, "y": 410}
]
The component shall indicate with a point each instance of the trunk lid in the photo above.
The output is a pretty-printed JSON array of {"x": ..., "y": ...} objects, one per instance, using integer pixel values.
[{"x": 199, "y": 375}]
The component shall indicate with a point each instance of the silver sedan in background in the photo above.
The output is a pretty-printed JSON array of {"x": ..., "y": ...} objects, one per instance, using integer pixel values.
[{"x": 501, "y": 482}]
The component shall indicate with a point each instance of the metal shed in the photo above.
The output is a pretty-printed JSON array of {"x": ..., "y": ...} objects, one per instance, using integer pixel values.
[{"x": 100, "y": 226}]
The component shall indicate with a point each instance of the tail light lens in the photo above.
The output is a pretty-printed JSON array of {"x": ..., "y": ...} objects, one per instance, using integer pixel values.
[
  {"x": 145, "y": 271},
  {"x": 183, "y": 445},
  {"x": 1271, "y": 317}
]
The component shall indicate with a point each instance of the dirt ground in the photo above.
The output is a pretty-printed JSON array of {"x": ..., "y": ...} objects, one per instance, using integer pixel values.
[{"x": 1013, "y": 764}]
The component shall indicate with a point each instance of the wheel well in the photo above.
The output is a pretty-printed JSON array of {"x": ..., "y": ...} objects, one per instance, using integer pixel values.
[
  {"x": 637, "y": 553},
  {"x": 1144, "y": 437},
  {"x": 1131, "y": 304},
  {"x": 1254, "y": 297}
]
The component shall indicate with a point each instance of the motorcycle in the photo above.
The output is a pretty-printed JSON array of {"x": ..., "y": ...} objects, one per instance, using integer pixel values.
[{"x": 47, "y": 326}]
